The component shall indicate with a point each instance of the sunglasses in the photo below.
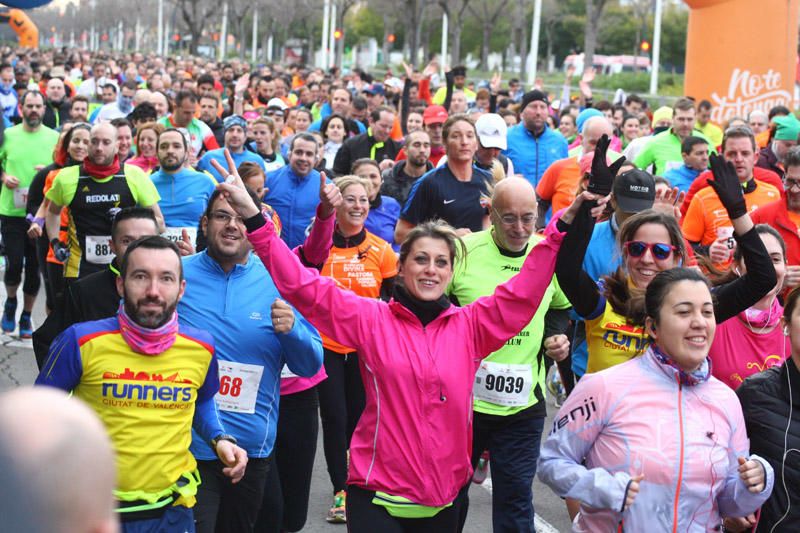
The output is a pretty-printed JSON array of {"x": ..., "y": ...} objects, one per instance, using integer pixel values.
[{"x": 658, "y": 250}]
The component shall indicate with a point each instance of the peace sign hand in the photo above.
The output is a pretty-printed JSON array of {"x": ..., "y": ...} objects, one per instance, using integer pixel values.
[{"x": 233, "y": 189}]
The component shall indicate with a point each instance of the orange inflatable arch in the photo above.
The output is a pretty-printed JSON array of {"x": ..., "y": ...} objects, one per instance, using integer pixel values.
[{"x": 741, "y": 55}]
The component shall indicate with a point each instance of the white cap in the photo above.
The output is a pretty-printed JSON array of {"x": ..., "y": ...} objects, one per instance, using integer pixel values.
[
  {"x": 492, "y": 131},
  {"x": 277, "y": 102}
]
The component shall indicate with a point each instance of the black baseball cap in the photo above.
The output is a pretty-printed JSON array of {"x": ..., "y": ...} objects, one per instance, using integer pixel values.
[{"x": 634, "y": 191}]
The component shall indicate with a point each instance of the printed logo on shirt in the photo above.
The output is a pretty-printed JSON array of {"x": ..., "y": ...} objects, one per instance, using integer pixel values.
[
  {"x": 449, "y": 201},
  {"x": 102, "y": 198},
  {"x": 255, "y": 315},
  {"x": 581, "y": 413},
  {"x": 512, "y": 268},
  {"x": 156, "y": 390},
  {"x": 625, "y": 337}
]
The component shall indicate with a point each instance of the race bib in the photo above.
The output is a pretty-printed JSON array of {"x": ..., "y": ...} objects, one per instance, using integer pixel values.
[
  {"x": 21, "y": 197},
  {"x": 502, "y": 384},
  {"x": 176, "y": 234},
  {"x": 98, "y": 249},
  {"x": 286, "y": 373},
  {"x": 238, "y": 387}
]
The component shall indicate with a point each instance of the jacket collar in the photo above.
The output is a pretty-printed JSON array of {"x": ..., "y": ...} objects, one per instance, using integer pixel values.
[
  {"x": 794, "y": 379},
  {"x": 340, "y": 241},
  {"x": 212, "y": 266}
]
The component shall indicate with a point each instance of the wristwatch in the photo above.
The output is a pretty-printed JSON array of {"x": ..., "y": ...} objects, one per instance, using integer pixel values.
[{"x": 224, "y": 436}]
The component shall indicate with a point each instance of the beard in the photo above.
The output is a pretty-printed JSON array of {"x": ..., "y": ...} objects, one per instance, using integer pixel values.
[
  {"x": 149, "y": 319},
  {"x": 33, "y": 120},
  {"x": 170, "y": 167}
]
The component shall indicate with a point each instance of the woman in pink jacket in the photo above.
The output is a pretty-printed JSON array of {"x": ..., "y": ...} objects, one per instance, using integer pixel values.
[
  {"x": 657, "y": 443},
  {"x": 410, "y": 452}
]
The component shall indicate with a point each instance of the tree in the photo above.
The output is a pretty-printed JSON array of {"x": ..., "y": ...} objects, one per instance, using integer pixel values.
[
  {"x": 594, "y": 10},
  {"x": 415, "y": 13},
  {"x": 454, "y": 9},
  {"x": 487, "y": 12},
  {"x": 196, "y": 15},
  {"x": 237, "y": 11}
]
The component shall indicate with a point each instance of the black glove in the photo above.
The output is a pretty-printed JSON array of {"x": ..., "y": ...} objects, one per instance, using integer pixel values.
[
  {"x": 602, "y": 177},
  {"x": 60, "y": 250},
  {"x": 727, "y": 186}
]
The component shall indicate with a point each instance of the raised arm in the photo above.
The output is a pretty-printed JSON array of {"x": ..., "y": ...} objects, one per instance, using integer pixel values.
[
  {"x": 501, "y": 315},
  {"x": 736, "y": 296},
  {"x": 314, "y": 251},
  {"x": 335, "y": 312}
]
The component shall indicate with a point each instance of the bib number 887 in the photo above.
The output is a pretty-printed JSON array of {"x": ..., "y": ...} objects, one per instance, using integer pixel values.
[
  {"x": 504, "y": 384},
  {"x": 101, "y": 250},
  {"x": 230, "y": 386}
]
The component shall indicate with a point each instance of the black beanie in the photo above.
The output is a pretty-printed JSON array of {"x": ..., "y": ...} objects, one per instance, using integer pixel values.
[{"x": 533, "y": 96}]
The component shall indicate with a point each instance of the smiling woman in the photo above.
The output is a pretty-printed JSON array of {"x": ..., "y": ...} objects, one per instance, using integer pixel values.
[
  {"x": 651, "y": 242},
  {"x": 409, "y": 366},
  {"x": 655, "y": 409},
  {"x": 366, "y": 265}
]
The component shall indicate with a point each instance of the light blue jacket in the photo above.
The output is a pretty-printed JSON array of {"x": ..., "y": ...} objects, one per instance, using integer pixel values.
[{"x": 235, "y": 308}]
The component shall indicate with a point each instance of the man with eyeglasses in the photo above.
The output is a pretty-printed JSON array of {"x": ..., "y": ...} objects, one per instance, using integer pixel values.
[
  {"x": 231, "y": 295},
  {"x": 509, "y": 397},
  {"x": 784, "y": 216},
  {"x": 706, "y": 224},
  {"x": 374, "y": 144}
]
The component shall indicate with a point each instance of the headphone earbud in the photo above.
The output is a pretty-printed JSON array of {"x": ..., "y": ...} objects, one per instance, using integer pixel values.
[{"x": 786, "y": 330}]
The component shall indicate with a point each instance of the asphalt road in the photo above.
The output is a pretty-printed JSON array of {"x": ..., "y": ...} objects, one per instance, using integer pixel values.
[{"x": 18, "y": 367}]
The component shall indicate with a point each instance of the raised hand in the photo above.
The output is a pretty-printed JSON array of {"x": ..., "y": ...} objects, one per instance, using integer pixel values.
[
  {"x": 669, "y": 201},
  {"x": 496, "y": 83},
  {"x": 185, "y": 244},
  {"x": 409, "y": 70},
  {"x": 241, "y": 85},
  {"x": 330, "y": 197},
  {"x": 727, "y": 186},
  {"x": 233, "y": 189},
  {"x": 602, "y": 176}
]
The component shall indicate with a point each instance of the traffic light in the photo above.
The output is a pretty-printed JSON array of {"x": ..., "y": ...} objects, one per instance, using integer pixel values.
[
  {"x": 337, "y": 34},
  {"x": 390, "y": 38},
  {"x": 645, "y": 46}
]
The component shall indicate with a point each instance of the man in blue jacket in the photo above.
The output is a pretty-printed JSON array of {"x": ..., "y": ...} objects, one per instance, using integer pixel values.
[
  {"x": 231, "y": 295},
  {"x": 293, "y": 190},
  {"x": 532, "y": 146}
]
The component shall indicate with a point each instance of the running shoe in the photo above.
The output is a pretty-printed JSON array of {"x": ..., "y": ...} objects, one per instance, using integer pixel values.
[
  {"x": 336, "y": 514},
  {"x": 482, "y": 470},
  {"x": 9, "y": 312},
  {"x": 25, "y": 326}
]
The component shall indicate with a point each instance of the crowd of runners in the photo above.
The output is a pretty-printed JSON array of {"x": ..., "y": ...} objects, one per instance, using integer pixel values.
[{"x": 231, "y": 253}]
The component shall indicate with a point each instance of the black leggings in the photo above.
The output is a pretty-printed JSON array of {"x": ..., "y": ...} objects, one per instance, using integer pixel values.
[
  {"x": 20, "y": 251},
  {"x": 363, "y": 516},
  {"x": 288, "y": 484},
  {"x": 341, "y": 402}
]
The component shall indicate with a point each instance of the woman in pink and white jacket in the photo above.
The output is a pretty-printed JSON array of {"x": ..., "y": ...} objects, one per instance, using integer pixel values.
[
  {"x": 657, "y": 443},
  {"x": 410, "y": 452}
]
